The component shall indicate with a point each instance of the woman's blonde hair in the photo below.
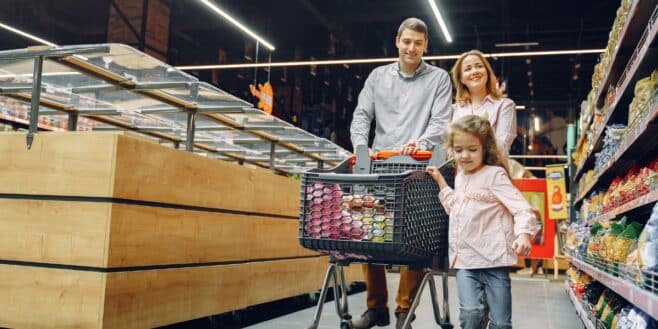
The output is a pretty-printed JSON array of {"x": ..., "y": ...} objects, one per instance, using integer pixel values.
[
  {"x": 480, "y": 128},
  {"x": 462, "y": 96}
]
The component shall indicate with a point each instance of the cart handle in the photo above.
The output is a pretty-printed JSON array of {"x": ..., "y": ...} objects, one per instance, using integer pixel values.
[
  {"x": 416, "y": 155},
  {"x": 383, "y": 155}
]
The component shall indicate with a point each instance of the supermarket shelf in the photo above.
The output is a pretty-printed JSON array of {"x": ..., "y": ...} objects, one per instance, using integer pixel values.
[
  {"x": 630, "y": 33},
  {"x": 637, "y": 203},
  {"x": 579, "y": 309},
  {"x": 632, "y": 66},
  {"x": 632, "y": 137},
  {"x": 639, "y": 297},
  {"x": 27, "y": 123}
]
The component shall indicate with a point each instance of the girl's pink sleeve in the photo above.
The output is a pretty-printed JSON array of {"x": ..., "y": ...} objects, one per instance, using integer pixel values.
[
  {"x": 447, "y": 198},
  {"x": 510, "y": 196}
]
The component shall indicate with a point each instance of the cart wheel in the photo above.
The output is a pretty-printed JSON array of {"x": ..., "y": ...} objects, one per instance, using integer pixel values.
[
  {"x": 446, "y": 326},
  {"x": 346, "y": 325}
]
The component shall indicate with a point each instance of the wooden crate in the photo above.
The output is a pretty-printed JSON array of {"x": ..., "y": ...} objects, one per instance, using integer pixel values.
[{"x": 109, "y": 230}]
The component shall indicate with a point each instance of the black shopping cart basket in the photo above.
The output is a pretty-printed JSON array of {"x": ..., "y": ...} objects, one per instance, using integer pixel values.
[{"x": 379, "y": 209}]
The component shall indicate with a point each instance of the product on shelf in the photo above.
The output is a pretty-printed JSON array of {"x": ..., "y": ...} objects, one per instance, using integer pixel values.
[
  {"x": 592, "y": 292},
  {"x": 578, "y": 280},
  {"x": 633, "y": 318},
  {"x": 637, "y": 183},
  {"x": 595, "y": 244},
  {"x": 648, "y": 251},
  {"x": 609, "y": 239},
  {"x": 644, "y": 90},
  {"x": 611, "y": 142},
  {"x": 625, "y": 243}
]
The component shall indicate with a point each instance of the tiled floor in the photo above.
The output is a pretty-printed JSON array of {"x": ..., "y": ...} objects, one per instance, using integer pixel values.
[{"x": 537, "y": 304}]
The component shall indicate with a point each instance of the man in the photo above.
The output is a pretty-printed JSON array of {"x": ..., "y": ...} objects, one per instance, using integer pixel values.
[{"x": 410, "y": 102}]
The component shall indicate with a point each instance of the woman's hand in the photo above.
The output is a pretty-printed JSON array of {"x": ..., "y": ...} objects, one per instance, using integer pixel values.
[{"x": 522, "y": 245}]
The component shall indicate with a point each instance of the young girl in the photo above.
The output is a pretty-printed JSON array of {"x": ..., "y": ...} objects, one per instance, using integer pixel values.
[{"x": 490, "y": 223}]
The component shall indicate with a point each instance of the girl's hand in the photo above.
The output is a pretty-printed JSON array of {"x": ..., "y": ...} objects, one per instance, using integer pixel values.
[
  {"x": 434, "y": 172},
  {"x": 436, "y": 175},
  {"x": 522, "y": 245}
]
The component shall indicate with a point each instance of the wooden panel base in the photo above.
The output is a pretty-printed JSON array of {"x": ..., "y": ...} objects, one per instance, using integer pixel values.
[
  {"x": 97, "y": 234},
  {"x": 153, "y": 236},
  {"x": 35, "y": 297},
  {"x": 55, "y": 232},
  {"x": 75, "y": 164},
  {"x": 120, "y": 165},
  {"x": 166, "y": 175}
]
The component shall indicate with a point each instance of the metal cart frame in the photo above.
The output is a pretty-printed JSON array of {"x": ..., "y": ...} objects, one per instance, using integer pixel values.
[{"x": 437, "y": 265}]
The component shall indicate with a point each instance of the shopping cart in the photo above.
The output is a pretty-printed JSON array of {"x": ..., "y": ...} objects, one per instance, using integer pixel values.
[{"x": 381, "y": 209}]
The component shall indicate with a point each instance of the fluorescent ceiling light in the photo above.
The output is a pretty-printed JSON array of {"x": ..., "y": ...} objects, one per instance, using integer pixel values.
[
  {"x": 236, "y": 23},
  {"x": 385, "y": 60},
  {"x": 439, "y": 18},
  {"x": 516, "y": 44},
  {"x": 27, "y": 35},
  {"x": 537, "y": 123},
  {"x": 520, "y": 107}
]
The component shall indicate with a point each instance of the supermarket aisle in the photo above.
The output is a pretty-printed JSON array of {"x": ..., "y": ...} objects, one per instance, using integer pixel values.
[{"x": 537, "y": 304}]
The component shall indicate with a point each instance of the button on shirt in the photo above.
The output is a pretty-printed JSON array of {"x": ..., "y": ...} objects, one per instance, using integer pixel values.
[
  {"x": 501, "y": 114},
  {"x": 417, "y": 107}
]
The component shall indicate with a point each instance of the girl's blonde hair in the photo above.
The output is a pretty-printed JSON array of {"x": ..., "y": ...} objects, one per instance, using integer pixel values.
[
  {"x": 462, "y": 96},
  {"x": 480, "y": 128}
]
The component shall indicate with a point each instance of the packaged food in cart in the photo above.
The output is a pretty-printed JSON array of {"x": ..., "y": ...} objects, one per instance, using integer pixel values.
[{"x": 389, "y": 214}]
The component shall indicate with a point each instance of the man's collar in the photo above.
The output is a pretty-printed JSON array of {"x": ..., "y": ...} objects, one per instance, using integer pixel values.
[{"x": 421, "y": 68}]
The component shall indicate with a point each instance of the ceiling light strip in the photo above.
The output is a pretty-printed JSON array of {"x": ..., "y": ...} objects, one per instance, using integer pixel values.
[
  {"x": 385, "y": 60},
  {"x": 442, "y": 23},
  {"x": 224, "y": 14},
  {"x": 27, "y": 35}
]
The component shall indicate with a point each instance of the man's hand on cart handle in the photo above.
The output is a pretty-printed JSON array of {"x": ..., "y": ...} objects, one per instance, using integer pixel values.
[{"x": 410, "y": 147}]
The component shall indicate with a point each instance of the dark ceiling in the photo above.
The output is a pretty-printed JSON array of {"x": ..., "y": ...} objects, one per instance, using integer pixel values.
[{"x": 301, "y": 29}]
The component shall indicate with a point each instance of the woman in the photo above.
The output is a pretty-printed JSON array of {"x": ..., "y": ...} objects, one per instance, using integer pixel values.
[{"x": 477, "y": 93}]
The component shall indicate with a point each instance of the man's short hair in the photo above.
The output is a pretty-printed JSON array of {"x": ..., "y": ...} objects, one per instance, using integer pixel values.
[{"x": 413, "y": 24}]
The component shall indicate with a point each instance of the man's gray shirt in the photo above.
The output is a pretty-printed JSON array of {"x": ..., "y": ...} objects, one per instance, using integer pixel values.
[{"x": 404, "y": 108}]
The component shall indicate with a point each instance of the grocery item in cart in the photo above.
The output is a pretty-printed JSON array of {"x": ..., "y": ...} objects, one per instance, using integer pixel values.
[{"x": 391, "y": 215}]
